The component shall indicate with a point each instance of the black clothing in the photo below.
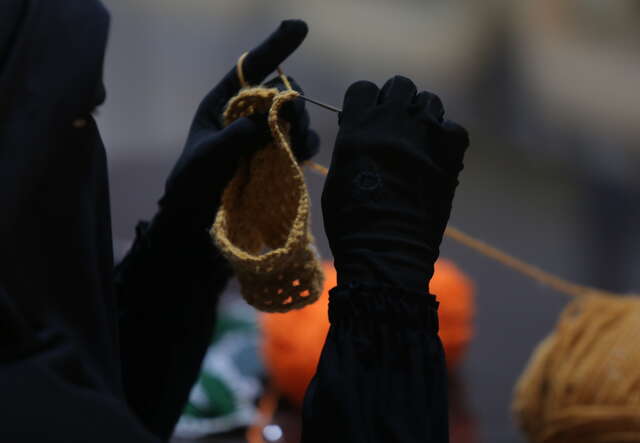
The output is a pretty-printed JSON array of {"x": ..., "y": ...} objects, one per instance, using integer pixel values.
[
  {"x": 92, "y": 354},
  {"x": 388, "y": 195},
  {"x": 59, "y": 352},
  {"x": 386, "y": 202},
  {"x": 56, "y": 258},
  {"x": 381, "y": 376}
]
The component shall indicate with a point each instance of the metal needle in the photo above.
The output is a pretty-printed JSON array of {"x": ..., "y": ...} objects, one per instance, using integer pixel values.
[{"x": 322, "y": 105}]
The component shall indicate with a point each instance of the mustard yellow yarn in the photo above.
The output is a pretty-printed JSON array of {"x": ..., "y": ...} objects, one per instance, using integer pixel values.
[
  {"x": 582, "y": 383},
  {"x": 262, "y": 226}
]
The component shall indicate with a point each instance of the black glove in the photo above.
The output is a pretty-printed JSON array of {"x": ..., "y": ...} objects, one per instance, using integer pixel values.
[
  {"x": 212, "y": 153},
  {"x": 388, "y": 195}
]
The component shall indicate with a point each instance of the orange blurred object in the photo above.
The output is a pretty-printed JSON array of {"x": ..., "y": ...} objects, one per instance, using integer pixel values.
[
  {"x": 455, "y": 293},
  {"x": 292, "y": 342}
]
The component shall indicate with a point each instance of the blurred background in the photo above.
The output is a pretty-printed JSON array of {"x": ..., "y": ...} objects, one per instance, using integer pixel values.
[{"x": 547, "y": 89}]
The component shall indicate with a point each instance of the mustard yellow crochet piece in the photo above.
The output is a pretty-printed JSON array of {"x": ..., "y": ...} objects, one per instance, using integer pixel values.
[{"x": 262, "y": 226}]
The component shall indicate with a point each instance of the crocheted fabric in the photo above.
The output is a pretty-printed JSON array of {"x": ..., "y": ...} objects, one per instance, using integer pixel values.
[{"x": 262, "y": 226}]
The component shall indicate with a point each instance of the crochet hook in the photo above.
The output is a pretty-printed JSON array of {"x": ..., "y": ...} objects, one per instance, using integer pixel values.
[
  {"x": 322, "y": 105},
  {"x": 285, "y": 80}
]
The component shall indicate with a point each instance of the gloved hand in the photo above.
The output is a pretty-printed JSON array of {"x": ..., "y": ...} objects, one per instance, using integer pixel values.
[
  {"x": 388, "y": 195},
  {"x": 212, "y": 153}
]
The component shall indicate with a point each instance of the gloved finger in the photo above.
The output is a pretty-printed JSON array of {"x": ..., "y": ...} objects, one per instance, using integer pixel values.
[
  {"x": 241, "y": 138},
  {"x": 307, "y": 148},
  {"x": 299, "y": 120},
  {"x": 292, "y": 110},
  {"x": 214, "y": 159},
  {"x": 429, "y": 106},
  {"x": 449, "y": 152},
  {"x": 305, "y": 142},
  {"x": 265, "y": 58},
  {"x": 455, "y": 134},
  {"x": 359, "y": 96},
  {"x": 260, "y": 61},
  {"x": 397, "y": 89}
]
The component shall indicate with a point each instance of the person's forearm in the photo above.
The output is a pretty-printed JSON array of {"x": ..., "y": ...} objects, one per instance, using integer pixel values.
[
  {"x": 167, "y": 287},
  {"x": 390, "y": 269},
  {"x": 169, "y": 283},
  {"x": 381, "y": 375},
  {"x": 386, "y": 202}
]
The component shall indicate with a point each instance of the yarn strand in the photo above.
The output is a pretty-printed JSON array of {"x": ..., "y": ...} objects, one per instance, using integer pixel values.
[
  {"x": 284, "y": 79},
  {"x": 240, "y": 71},
  {"x": 533, "y": 272}
]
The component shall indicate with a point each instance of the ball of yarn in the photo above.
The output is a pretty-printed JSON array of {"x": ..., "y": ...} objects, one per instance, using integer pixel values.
[
  {"x": 292, "y": 342},
  {"x": 582, "y": 383}
]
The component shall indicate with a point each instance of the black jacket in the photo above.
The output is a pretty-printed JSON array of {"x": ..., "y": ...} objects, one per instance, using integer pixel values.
[{"x": 71, "y": 340}]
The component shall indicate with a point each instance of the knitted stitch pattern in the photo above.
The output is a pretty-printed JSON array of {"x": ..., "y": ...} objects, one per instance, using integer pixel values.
[{"x": 262, "y": 226}]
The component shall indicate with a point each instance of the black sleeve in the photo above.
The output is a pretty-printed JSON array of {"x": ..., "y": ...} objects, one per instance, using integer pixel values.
[
  {"x": 17, "y": 338},
  {"x": 167, "y": 287},
  {"x": 381, "y": 375},
  {"x": 49, "y": 393}
]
